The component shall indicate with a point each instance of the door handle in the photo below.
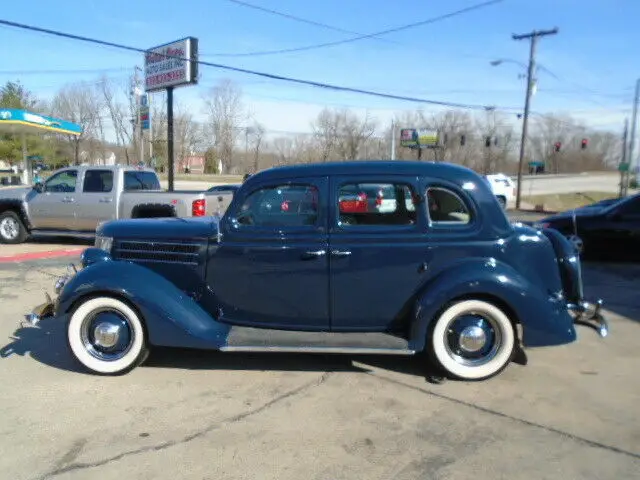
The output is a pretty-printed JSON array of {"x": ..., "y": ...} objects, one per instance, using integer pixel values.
[
  {"x": 68, "y": 200},
  {"x": 340, "y": 253},
  {"x": 313, "y": 254},
  {"x": 106, "y": 200}
]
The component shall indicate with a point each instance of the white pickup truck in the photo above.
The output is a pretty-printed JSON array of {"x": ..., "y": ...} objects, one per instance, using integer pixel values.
[
  {"x": 503, "y": 188},
  {"x": 74, "y": 200}
]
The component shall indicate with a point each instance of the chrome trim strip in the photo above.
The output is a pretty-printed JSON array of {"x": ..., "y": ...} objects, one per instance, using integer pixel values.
[{"x": 352, "y": 350}]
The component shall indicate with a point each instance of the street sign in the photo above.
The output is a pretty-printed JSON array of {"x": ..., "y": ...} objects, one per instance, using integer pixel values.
[{"x": 623, "y": 167}]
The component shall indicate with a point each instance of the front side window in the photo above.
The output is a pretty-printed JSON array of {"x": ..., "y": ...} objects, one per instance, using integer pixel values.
[
  {"x": 446, "y": 207},
  {"x": 280, "y": 206},
  {"x": 376, "y": 204},
  {"x": 63, "y": 182}
]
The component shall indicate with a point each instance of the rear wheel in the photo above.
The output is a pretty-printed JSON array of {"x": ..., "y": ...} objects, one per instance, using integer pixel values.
[
  {"x": 12, "y": 230},
  {"x": 107, "y": 336},
  {"x": 472, "y": 340}
]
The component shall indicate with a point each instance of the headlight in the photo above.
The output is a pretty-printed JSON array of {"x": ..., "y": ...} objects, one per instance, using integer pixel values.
[{"x": 104, "y": 243}]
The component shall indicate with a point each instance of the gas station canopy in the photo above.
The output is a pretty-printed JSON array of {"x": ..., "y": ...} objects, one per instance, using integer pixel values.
[{"x": 22, "y": 122}]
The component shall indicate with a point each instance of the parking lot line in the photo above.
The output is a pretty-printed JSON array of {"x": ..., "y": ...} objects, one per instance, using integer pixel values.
[{"x": 21, "y": 257}]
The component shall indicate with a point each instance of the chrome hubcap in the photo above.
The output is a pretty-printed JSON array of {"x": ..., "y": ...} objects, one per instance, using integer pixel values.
[
  {"x": 107, "y": 335},
  {"x": 9, "y": 228},
  {"x": 473, "y": 339}
]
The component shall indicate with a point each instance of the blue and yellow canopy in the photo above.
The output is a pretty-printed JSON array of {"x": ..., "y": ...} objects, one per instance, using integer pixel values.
[{"x": 21, "y": 121}]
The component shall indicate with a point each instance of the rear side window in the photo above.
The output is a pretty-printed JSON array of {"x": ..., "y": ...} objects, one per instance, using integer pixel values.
[
  {"x": 98, "y": 181},
  {"x": 376, "y": 204},
  {"x": 446, "y": 207},
  {"x": 141, "y": 181}
]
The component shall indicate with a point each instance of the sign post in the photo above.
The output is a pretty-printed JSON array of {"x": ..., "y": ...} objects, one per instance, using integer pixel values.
[{"x": 166, "y": 67}]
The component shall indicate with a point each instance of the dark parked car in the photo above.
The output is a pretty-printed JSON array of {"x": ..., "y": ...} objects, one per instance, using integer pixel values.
[
  {"x": 442, "y": 272},
  {"x": 606, "y": 229}
]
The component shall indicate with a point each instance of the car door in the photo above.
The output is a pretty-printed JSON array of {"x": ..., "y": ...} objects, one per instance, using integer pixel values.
[
  {"x": 55, "y": 207},
  {"x": 97, "y": 202},
  {"x": 270, "y": 267},
  {"x": 375, "y": 255},
  {"x": 623, "y": 227}
]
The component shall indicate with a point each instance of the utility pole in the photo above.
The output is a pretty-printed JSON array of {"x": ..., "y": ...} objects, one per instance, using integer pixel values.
[
  {"x": 533, "y": 37},
  {"x": 623, "y": 174},
  {"x": 393, "y": 139},
  {"x": 632, "y": 141}
]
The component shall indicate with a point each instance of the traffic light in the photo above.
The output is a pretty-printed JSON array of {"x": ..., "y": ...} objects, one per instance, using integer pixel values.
[
  {"x": 557, "y": 146},
  {"x": 463, "y": 140},
  {"x": 585, "y": 142},
  {"x": 487, "y": 142}
]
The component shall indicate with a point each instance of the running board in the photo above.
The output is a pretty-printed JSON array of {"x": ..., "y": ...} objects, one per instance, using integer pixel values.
[
  {"x": 247, "y": 339},
  {"x": 64, "y": 233}
]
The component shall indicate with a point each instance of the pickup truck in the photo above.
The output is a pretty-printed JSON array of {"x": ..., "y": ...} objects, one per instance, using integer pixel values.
[
  {"x": 292, "y": 267},
  {"x": 74, "y": 201}
]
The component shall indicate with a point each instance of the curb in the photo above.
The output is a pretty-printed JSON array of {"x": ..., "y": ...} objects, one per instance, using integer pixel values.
[{"x": 21, "y": 257}]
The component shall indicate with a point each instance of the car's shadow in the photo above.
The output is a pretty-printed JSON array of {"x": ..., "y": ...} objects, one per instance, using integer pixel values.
[{"x": 46, "y": 343}]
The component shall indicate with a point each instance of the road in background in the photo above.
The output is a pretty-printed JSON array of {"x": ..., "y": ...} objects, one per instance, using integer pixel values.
[{"x": 531, "y": 185}]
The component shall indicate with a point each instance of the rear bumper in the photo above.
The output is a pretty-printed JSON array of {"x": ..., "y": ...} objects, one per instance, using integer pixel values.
[{"x": 589, "y": 314}]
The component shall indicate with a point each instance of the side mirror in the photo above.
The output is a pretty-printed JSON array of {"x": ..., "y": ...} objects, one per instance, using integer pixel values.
[{"x": 39, "y": 187}]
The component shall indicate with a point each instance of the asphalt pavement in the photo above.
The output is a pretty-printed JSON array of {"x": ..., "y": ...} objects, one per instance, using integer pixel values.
[{"x": 571, "y": 413}]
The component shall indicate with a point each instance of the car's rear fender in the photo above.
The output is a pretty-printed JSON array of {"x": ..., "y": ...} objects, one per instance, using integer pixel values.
[
  {"x": 544, "y": 317},
  {"x": 171, "y": 317}
]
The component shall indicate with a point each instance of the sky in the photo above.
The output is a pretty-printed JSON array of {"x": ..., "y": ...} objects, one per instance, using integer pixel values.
[{"x": 588, "y": 69}]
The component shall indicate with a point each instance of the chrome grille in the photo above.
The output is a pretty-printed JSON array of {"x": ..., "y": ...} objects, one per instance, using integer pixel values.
[{"x": 153, "y": 251}]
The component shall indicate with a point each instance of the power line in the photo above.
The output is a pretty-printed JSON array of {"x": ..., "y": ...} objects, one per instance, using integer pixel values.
[
  {"x": 62, "y": 72},
  {"x": 300, "y": 19},
  {"x": 272, "y": 76},
  {"x": 360, "y": 37}
]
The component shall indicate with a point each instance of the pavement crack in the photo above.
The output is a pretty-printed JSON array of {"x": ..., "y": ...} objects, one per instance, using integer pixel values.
[
  {"x": 567, "y": 435},
  {"x": 164, "y": 445}
]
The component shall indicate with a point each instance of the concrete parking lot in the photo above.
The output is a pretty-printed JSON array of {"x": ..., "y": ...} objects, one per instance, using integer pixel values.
[{"x": 571, "y": 413}]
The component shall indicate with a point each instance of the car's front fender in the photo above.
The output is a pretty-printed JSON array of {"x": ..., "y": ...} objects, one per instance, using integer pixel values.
[
  {"x": 544, "y": 318},
  {"x": 171, "y": 317}
]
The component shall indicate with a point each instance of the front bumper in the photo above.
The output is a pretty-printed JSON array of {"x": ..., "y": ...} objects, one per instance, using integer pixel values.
[
  {"x": 48, "y": 308},
  {"x": 589, "y": 314}
]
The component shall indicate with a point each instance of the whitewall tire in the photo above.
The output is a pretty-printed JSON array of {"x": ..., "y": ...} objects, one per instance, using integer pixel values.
[
  {"x": 472, "y": 340},
  {"x": 107, "y": 336}
]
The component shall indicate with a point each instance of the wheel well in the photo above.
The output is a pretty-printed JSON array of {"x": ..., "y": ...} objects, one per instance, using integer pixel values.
[
  {"x": 497, "y": 301},
  {"x": 153, "y": 210}
]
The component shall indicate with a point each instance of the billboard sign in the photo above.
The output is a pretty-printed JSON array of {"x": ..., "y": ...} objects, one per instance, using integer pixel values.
[
  {"x": 418, "y": 138},
  {"x": 171, "y": 65}
]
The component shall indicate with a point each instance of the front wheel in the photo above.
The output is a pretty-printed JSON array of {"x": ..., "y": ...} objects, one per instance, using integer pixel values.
[
  {"x": 107, "y": 336},
  {"x": 472, "y": 340}
]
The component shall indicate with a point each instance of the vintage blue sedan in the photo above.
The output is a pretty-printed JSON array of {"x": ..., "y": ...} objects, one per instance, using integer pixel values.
[{"x": 303, "y": 260}]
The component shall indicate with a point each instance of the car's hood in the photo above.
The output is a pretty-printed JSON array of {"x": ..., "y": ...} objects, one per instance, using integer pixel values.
[
  {"x": 588, "y": 211},
  {"x": 18, "y": 193},
  {"x": 161, "y": 228}
]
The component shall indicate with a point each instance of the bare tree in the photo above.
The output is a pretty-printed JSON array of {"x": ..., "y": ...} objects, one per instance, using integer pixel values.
[
  {"x": 352, "y": 133},
  {"x": 226, "y": 111},
  {"x": 325, "y": 129},
  {"x": 121, "y": 117},
  {"x": 80, "y": 104},
  {"x": 257, "y": 137}
]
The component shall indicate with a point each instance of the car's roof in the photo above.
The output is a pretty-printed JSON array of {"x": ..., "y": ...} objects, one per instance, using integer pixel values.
[{"x": 370, "y": 167}]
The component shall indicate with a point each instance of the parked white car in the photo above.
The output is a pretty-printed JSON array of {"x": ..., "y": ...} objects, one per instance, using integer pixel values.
[{"x": 503, "y": 188}]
